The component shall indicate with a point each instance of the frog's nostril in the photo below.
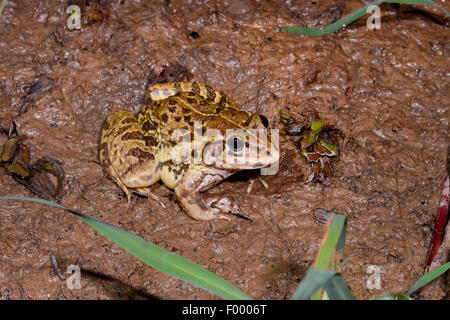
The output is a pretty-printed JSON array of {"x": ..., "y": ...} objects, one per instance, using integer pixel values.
[{"x": 264, "y": 121}]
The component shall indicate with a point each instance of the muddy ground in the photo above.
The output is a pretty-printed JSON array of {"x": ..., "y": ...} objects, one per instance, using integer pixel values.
[{"x": 386, "y": 91}]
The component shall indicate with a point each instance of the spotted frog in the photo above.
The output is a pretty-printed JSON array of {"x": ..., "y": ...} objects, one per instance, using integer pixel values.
[{"x": 167, "y": 142}]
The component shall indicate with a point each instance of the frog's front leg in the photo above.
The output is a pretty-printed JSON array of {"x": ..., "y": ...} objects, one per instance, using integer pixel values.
[{"x": 188, "y": 193}]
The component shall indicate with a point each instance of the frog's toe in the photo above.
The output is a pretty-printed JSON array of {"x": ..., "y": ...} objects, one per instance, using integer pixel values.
[
  {"x": 210, "y": 214},
  {"x": 226, "y": 205},
  {"x": 252, "y": 182},
  {"x": 146, "y": 192}
]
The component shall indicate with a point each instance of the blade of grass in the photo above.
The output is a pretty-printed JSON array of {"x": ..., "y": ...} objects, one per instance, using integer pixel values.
[
  {"x": 2, "y": 5},
  {"x": 393, "y": 296},
  {"x": 348, "y": 258},
  {"x": 313, "y": 280},
  {"x": 154, "y": 255},
  {"x": 345, "y": 21},
  {"x": 428, "y": 277},
  {"x": 333, "y": 237},
  {"x": 337, "y": 289}
]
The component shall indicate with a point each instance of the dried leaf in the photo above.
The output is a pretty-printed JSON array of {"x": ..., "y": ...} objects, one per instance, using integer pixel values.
[
  {"x": 332, "y": 150},
  {"x": 19, "y": 169},
  {"x": 9, "y": 149},
  {"x": 45, "y": 178},
  {"x": 24, "y": 153}
]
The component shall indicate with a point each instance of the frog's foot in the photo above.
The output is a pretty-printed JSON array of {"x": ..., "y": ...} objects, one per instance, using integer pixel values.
[
  {"x": 252, "y": 182},
  {"x": 227, "y": 205},
  {"x": 147, "y": 193},
  {"x": 194, "y": 206}
]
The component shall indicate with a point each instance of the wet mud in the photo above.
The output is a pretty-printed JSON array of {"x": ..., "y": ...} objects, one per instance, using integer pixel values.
[{"x": 386, "y": 91}]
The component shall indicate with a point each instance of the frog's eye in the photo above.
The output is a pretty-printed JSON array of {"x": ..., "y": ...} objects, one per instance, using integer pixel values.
[
  {"x": 264, "y": 121},
  {"x": 235, "y": 144}
]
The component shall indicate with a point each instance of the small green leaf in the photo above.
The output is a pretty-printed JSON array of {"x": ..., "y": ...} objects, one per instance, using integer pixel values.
[
  {"x": 348, "y": 258},
  {"x": 49, "y": 166},
  {"x": 332, "y": 148},
  {"x": 317, "y": 126},
  {"x": 337, "y": 289},
  {"x": 313, "y": 281},
  {"x": 17, "y": 168},
  {"x": 428, "y": 277},
  {"x": 393, "y": 296},
  {"x": 287, "y": 119}
]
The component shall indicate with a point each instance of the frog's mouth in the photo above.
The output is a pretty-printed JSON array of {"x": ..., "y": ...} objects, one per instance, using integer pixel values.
[{"x": 237, "y": 155}]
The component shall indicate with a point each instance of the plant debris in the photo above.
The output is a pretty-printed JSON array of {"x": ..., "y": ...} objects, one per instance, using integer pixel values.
[
  {"x": 312, "y": 145},
  {"x": 36, "y": 89},
  {"x": 42, "y": 177}
]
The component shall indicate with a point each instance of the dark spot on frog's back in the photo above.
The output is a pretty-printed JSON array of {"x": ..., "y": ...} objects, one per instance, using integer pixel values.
[
  {"x": 164, "y": 117},
  {"x": 191, "y": 100},
  {"x": 195, "y": 88},
  {"x": 187, "y": 118},
  {"x": 222, "y": 101},
  {"x": 147, "y": 126},
  {"x": 106, "y": 126},
  {"x": 172, "y": 109},
  {"x": 173, "y": 102},
  {"x": 210, "y": 93},
  {"x": 177, "y": 86},
  {"x": 128, "y": 120},
  {"x": 150, "y": 141},
  {"x": 123, "y": 129},
  {"x": 134, "y": 135},
  {"x": 177, "y": 119},
  {"x": 140, "y": 154},
  {"x": 186, "y": 110}
]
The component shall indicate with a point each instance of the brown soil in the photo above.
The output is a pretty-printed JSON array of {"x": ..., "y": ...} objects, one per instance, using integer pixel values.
[{"x": 387, "y": 91}]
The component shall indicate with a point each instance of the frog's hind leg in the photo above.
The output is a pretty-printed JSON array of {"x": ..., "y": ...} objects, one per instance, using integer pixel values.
[
  {"x": 161, "y": 91},
  {"x": 127, "y": 155}
]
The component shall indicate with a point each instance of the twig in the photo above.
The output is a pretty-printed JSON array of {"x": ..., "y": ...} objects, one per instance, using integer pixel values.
[
  {"x": 57, "y": 269},
  {"x": 441, "y": 221}
]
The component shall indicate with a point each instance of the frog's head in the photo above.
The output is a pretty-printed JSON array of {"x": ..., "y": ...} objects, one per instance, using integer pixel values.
[{"x": 244, "y": 143}]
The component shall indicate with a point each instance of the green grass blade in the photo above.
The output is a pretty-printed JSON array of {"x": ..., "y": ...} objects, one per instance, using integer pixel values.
[
  {"x": 393, "y": 296},
  {"x": 345, "y": 21},
  {"x": 2, "y": 5},
  {"x": 313, "y": 281},
  {"x": 337, "y": 289},
  {"x": 332, "y": 238},
  {"x": 428, "y": 277},
  {"x": 154, "y": 255},
  {"x": 348, "y": 258}
]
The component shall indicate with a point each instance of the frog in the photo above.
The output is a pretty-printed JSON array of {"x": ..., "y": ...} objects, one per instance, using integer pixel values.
[{"x": 167, "y": 142}]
